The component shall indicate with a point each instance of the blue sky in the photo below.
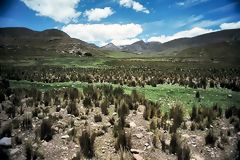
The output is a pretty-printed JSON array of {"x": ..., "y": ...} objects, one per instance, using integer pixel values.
[{"x": 123, "y": 21}]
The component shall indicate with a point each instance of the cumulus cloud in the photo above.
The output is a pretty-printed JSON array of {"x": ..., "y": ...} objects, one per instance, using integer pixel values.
[
  {"x": 59, "y": 10},
  {"x": 102, "y": 33},
  {"x": 98, "y": 13},
  {"x": 134, "y": 5},
  {"x": 121, "y": 42},
  {"x": 187, "y": 33},
  {"x": 233, "y": 25}
]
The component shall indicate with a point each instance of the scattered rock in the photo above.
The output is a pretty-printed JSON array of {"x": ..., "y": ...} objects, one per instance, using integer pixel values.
[
  {"x": 6, "y": 142},
  {"x": 65, "y": 137},
  {"x": 139, "y": 135},
  {"x": 136, "y": 151},
  {"x": 137, "y": 157},
  {"x": 141, "y": 109},
  {"x": 132, "y": 125},
  {"x": 14, "y": 151}
]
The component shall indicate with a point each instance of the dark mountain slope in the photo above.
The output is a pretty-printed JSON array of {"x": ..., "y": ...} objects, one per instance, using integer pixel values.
[{"x": 23, "y": 40}]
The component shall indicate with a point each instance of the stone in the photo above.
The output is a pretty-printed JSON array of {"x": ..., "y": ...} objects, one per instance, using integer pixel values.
[
  {"x": 40, "y": 115},
  {"x": 6, "y": 141},
  {"x": 65, "y": 137},
  {"x": 137, "y": 157},
  {"x": 14, "y": 151},
  {"x": 141, "y": 109},
  {"x": 114, "y": 113},
  {"x": 146, "y": 144},
  {"x": 136, "y": 151},
  {"x": 229, "y": 96},
  {"x": 139, "y": 135},
  {"x": 132, "y": 125}
]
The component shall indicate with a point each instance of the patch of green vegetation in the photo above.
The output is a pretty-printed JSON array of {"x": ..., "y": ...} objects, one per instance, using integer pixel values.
[
  {"x": 60, "y": 60},
  {"x": 166, "y": 94}
]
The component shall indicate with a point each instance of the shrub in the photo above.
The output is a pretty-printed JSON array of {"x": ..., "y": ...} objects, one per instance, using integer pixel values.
[
  {"x": 197, "y": 95},
  {"x": 72, "y": 109},
  {"x": 177, "y": 114},
  {"x": 193, "y": 126},
  {"x": 6, "y": 130},
  {"x": 211, "y": 137},
  {"x": 47, "y": 98},
  {"x": 123, "y": 140},
  {"x": 46, "y": 132},
  {"x": 16, "y": 123},
  {"x": 86, "y": 141},
  {"x": 87, "y": 102},
  {"x": 184, "y": 153},
  {"x": 27, "y": 120},
  {"x": 28, "y": 151},
  {"x": 104, "y": 107},
  {"x": 32, "y": 153},
  {"x": 98, "y": 118},
  {"x": 155, "y": 140},
  {"x": 74, "y": 94},
  {"x": 163, "y": 143},
  {"x": 153, "y": 125},
  {"x": 118, "y": 92},
  {"x": 174, "y": 143},
  {"x": 194, "y": 113}
]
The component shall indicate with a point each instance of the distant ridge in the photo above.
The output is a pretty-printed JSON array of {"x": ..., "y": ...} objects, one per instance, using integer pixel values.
[
  {"x": 23, "y": 40},
  {"x": 177, "y": 45}
]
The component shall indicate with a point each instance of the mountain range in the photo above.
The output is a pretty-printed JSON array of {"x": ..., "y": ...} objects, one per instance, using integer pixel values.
[
  {"x": 25, "y": 41},
  {"x": 175, "y": 46}
]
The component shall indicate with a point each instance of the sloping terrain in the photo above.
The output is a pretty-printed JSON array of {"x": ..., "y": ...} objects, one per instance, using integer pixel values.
[
  {"x": 26, "y": 41},
  {"x": 175, "y": 46}
]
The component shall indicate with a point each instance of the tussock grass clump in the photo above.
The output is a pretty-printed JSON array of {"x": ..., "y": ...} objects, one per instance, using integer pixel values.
[
  {"x": 46, "y": 132},
  {"x": 32, "y": 153},
  {"x": 174, "y": 143},
  {"x": 97, "y": 118},
  {"x": 86, "y": 141},
  {"x": 104, "y": 106},
  {"x": 6, "y": 130},
  {"x": 177, "y": 114},
  {"x": 87, "y": 103},
  {"x": 211, "y": 137},
  {"x": 184, "y": 152},
  {"x": 123, "y": 140},
  {"x": 72, "y": 109},
  {"x": 27, "y": 120}
]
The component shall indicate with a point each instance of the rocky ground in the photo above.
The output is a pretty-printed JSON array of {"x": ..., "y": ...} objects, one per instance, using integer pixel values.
[{"x": 67, "y": 128}]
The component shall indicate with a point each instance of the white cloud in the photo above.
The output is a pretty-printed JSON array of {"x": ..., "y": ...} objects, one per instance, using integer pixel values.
[
  {"x": 98, "y": 13},
  {"x": 134, "y": 5},
  {"x": 59, "y": 10},
  {"x": 209, "y": 23},
  {"x": 233, "y": 25},
  {"x": 187, "y": 33},
  {"x": 121, "y": 42},
  {"x": 102, "y": 33},
  {"x": 190, "y": 3}
]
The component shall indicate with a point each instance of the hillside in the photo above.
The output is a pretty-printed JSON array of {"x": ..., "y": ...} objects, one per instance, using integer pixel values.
[
  {"x": 177, "y": 45},
  {"x": 26, "y": 41}
]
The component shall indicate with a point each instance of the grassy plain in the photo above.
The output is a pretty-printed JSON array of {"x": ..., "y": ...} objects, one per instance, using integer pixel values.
[{"x": 166, "y": 94}]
